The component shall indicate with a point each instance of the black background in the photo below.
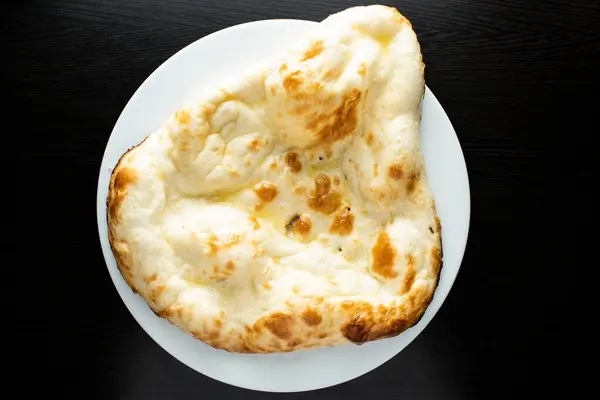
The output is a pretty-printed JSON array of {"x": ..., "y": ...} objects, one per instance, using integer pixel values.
[{"x": 517, "y": 79}]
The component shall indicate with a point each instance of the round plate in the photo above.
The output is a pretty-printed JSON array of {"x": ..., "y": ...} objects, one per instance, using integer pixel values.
[{"x": 168, "y": 88}]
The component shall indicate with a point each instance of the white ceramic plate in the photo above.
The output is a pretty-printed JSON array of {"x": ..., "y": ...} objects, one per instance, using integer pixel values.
[{"x": 202, "y": 63}]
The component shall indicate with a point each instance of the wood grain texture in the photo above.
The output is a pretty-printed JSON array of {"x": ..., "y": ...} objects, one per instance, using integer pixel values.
[{"x": 518, "y": 79}]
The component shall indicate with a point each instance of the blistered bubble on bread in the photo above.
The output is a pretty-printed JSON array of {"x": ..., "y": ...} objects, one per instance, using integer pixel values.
[{"x": 289, "y": 207}]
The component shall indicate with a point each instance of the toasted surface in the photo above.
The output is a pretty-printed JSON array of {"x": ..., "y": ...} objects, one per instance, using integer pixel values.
[{"x": 289, "y": 208}]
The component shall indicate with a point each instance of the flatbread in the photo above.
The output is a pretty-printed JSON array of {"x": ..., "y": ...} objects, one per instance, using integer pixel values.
[{"x": 289, "y": 207}]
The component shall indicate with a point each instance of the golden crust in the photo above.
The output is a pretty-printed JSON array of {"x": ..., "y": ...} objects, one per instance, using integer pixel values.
[
  {"x": 120, "y": 178},
  {"x": 297, "y": 330}
]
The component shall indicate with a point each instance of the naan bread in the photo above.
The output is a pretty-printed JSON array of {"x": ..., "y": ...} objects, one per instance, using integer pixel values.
[{"x": 289, "y": 208}]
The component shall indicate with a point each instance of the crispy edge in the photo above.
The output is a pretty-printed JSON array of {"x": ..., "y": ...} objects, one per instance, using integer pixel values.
[
  {"x": 118, "y": 246},
  {"x": 370, "y": 326}
]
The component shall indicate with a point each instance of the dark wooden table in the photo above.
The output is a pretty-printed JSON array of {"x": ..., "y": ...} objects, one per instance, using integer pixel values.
[{"x": 517, "y": 79}]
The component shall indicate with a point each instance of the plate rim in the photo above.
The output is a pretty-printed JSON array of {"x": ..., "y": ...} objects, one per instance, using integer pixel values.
[{"x": 114, "y": 275}]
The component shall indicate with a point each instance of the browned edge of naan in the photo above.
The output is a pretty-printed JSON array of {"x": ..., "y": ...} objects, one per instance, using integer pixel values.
[{"x": 120, "y": 178}]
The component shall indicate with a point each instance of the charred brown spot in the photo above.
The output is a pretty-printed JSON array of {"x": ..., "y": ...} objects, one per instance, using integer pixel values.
[
  {"x": 292, "y": 159},
  {"x": 370, "y": 138},
  {"x": 343, "y": 223},
  {"x": 254, "y": 145},
  {"x": 341, "y": 122},
  {"x": 395, "y": 171},
  {"x": 409, "y": 277},
  {"x": 273, "y": 166},
  {"x": 303, "y": 225},
  {"x": 323, "y": 199},
  {"x": 384, "y": 255},
  {"x": 278, "y": 323},
  {"x": 361, "y": 329},
  {"x": 357, "y": 330},
  {"x": 336, "y": 180},
  {"x": 289, "y": 227},
  {"x": 311, "y": 317},
  {"x": 299, "y": 225},
  {"x": 230, "y": 266},
  {"x": 413, "y": 180},
  {"x": 266, "y": 191},
  {"x": 438, "y": 225},
  {"x": 315, "y": 50},
  {"x": 292, "y": 81}
]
